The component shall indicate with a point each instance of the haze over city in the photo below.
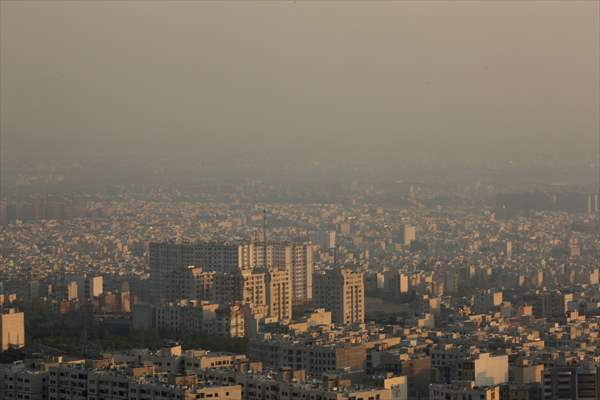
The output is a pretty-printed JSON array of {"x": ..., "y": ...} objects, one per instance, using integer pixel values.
[
  {"x": 381, "y": 84},
  {"x": 299, "y": 200}
]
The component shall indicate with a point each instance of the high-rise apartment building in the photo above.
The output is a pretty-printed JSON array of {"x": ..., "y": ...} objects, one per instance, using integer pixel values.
[
  {"x": 12, "y": 329},
  {"x": 396, "y": 283},
  {"x": 89, "y": 287},
  {"x": 302, "y": 273},
  {"x": 272, "y": 254},
  {"x": 485, "y": 300},
  {"x": 325, "y": 239},
  {"x": 244, "y": 287},
  {"x": 508, "y": 249},
  {"x": 227, "y": 288},
  {"x": 172, "y": 277},
  {"x": 408, "y": 234},
  {"x": 72, "y": 291},
  {"x": 94, "y": 286},
  {"x": 571, "y": 383},
  {"x": 343, "y": 293},
  {"x": 553, "y": 304},
  {"x": 278, "y": 285},
  {"x": 296, "y": 257},
  {"x": 200, "y": 284},
  {"x": 169, "y": 263},
  {"x": 345, "y": 229},
  {"x": 594, "y": 276},
  {"x": 254, "y": 290}
]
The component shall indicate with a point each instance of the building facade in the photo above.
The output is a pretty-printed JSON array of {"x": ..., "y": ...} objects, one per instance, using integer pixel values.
[{"x": 343, "y": 293}]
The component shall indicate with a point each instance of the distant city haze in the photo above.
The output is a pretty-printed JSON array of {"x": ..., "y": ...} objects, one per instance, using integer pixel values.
[{"x": 379, "y": 83}]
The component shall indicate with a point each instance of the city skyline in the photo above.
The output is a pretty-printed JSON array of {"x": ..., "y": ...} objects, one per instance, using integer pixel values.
[{"x": 299, "y": 200}]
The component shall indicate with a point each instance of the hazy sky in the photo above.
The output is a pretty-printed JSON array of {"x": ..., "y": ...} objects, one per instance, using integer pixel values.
[{"x": 300, "y": 80}]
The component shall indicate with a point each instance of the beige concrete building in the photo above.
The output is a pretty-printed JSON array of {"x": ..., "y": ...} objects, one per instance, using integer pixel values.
[
  {"x": 490, "y": 370},
  {"x": 200, "y": 283},
  {"x": 279, "y": 294},
  {"x": 193, "y": 317},
  {"x": 293, "y": 256},
  {"x": 148, "y": 390},
  {"x": 325, "y": 239},
  {"x": 396, "y": 283},
  {"x": 169, "y": 261},
  {"x": 227, "y": 287},
  {"x": 288, "y": 384},
  {"x": 456, "y": 364},
  {"x": 408, "y": 234},
  {"x": 72, "y": 291},
  {"x": 231, "y": 290},
  {"x": 345, "y": 228},
  {"x": 76, "y": 382},
  {"x": 485, "y": 300},
  {"x": 525, "y": 374},
  {"x": 254, "y": 290},
  {"x": 312, "y": 358},
  {"x": 343, "y": 293},
  {"x": 554, "y": 304},
  {"x": 463, "y": 390},
  {"x": 182, "y": 316},
  {"x": 302, "y": 273},
  {"x": 183, "y": 270},
  {"x": 318, "y": 317},
  {"x": 12, "y": 329},
  {"x": 94, "y": 286}
]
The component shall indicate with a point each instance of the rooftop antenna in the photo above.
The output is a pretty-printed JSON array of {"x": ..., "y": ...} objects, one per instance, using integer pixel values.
[{"x": 265, "y": 235}]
